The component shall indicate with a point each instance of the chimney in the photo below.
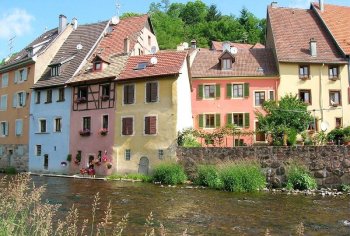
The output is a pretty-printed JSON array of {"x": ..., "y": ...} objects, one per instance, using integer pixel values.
[
  {"x": 273, "y": 4},
  {"x": 313, "y": 47},
  {"x": 75, "y": 23},
  {"x": 321, "y": 3},
  {"x": 62, "y": 23},
  {"x": 126, "y": 45},
  {"x": 193, "y": 44}
]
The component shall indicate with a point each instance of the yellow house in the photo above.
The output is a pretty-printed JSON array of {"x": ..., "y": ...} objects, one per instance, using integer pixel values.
[
  {"x": 310, "y": 65},
  {"x": 153, "y": 104}
]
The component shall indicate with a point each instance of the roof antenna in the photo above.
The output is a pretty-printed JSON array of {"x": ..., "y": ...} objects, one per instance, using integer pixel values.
[
  {"x": 10, "y": 44},
  {"x": 115, "y": 19}
]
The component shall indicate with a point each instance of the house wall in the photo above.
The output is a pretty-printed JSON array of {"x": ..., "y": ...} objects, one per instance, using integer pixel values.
[
  {"x": 54, "y": 144},
  {"x": 224, "y": 105},
  {"x": 143, "y": 43},
  {"x": 320, "y": 85},
  {"x": 142, "y": 145}
]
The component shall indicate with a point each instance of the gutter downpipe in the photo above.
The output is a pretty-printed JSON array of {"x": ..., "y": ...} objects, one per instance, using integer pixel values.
[{"x": 320, "y": 97}]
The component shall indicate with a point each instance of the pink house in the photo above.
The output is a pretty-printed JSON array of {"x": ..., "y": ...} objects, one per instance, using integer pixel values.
[{"x": 229, "y": 86}]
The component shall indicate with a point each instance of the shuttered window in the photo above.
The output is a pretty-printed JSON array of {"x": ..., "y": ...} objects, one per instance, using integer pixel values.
[
  {"x": 129, "y": 94},
  {"x": 152, "y": 92},
  {"x": 127, "y": 126},
  {"x": 209, "y": 121},
  {"x": 237, "y": 90},
  {"x": 19, "y": 127},
  {"x": 3, "y": 103},
  {"x": 4, "y": 128},
  {"x": 150, "y": 125},
  {"x": 49, "y": 96},
  {"x": 238, "y": 119},
  {"x": 5, "y": 80}
]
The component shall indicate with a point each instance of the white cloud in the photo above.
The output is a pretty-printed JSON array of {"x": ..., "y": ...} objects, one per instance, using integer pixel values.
[
  {"x": 15, "y": 22},
  {"x": 305, "y": 4}
]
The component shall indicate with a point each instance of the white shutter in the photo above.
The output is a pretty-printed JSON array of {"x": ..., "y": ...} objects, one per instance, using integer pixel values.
[
  {"x": 24, "y": 95},
  {"x": 17, "y": 76},
  {"x": 19, "y": 126},
  {"x": 25, "y": 74},
  {"x": 5, "y": 80},
  {"x": 14, "y": 100},
  {"x": 7, "y": 128},
  {"x": 3, "y": 103}
]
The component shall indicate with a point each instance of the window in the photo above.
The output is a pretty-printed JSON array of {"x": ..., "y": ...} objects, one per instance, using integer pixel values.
[
  {"x": 58, "y": 125},
  {"x": 161, "y": 154},
  {"x": 150, "y": 125},
  {"x": 303, "y": 72},
  {"x": 209, "y": 120},
  {"x": 19, "y": 99},
  {"x": 55, "y": 71},
  {"x": 238, "y": 142},
  {"x": 334, "y": 98},
  {"x": 127, "y": 154},
  {"x": 259, "y": 136},
  {"x": 226, "y": 64},
  {"x": 82, "y": 92},
  {"x": 338, "y": 122},
  {"x": 259, "y": 98},
  {"x": 272, "y": 95},
  {"x": 37, "y": 97},
  {"x": 4, "y": 128},
  {"x": 97, "y": 65},
  {"x": 3, "y": 103},
  {"x": 46, "y": 161},
  {"x": 87, "y": 123},
  {"x": 60, "y": 95},
  {"x": 209, "y": 91},
  {"x": 305, "y": 96},
  {"x": 48, "y": 96},
  {"x": 105, "y": 122},
  {"x": 127, "y": 126},
  {"x": 141, "y": 65},
  {"x": 21, "y": 75},
  {"x": 333, "y": 72},
  {"x": 105, "y": 91},
  {"x": 5, "y": 80},
  {"x": 313, "y": 125},
  {"x": 19, "y": 127},
  {"x": 129, "y": 93},
  {"x": 152, "y": 92},
  {"x": 237, "y": 90},
  {"x": 239, "y": 119},
  {"x": 42, "y": 126},
  {"x": 149, "y": 40},
  {"x": 38, "y": 150}
]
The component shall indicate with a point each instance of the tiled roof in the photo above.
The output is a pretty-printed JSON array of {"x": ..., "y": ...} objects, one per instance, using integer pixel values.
[
  {"x": 248, "y": 62},
  {"x": 168, "y": 63},
  {"x": 218, "y": 45},
  {"x": 337, "y": 20},
  {"x": 292, "y": 30},
  {"x": 86, "y": 35},
  {"x": 45, "y": 39}
]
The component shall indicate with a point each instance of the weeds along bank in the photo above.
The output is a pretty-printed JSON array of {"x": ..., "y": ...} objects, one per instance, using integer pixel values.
[{"x": 329, "y": 165}]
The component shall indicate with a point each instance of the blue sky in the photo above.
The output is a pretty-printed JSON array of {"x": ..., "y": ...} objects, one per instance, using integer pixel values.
[{"x": 28, "y": 19}]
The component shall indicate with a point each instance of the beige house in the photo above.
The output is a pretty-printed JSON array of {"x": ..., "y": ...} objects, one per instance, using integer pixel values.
[
  {"x": 17, "y": 76},
  {"x": 310, "y": 65}
]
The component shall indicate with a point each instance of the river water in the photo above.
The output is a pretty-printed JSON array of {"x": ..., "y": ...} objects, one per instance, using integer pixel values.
[{"x": 201, "y": 211}]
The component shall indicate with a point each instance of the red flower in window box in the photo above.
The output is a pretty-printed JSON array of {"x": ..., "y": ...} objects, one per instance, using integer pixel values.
[
  {"x": 104, "y": 97},
  {"x": 84, "y": 132},
  {"x": 103, "y": 132},
  {"x": 81, "y": 100}
]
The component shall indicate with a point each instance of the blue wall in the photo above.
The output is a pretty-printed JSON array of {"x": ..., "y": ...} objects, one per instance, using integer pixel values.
[{"x": 55, "y": 144}]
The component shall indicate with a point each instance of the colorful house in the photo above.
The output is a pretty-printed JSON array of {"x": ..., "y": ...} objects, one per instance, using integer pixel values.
[
  {"x": 51, "y": 104},
  {"x": 94, "y": 92},
  {"x": 310, "y": 64},
  {"x": 229, "y": 85},
  {"x": 18, "y": 75},
  {"x": 153, "y": 105}
]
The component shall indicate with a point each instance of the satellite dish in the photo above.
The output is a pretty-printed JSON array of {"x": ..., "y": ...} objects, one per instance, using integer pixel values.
[
  {"x": 154, "y": 60},
  {"x": 115, "y": 20},
  {"x": 185, "y": 44},
  {"x": 153, "y": 49},
  {"x": 324, "y": 126},
  {"x": 79, "y": 46},
  {"x": 234, "y": 50}
]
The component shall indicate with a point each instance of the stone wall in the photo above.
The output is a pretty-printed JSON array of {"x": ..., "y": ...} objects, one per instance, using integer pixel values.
[
  {"x": 15, "y": 156},
  {"x": 330, "y": 165}
]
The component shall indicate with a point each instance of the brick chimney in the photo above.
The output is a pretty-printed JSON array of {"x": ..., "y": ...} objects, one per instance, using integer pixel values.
[
  {"x": 62, "y": 23},
  {"x": 321, "y": 3}
]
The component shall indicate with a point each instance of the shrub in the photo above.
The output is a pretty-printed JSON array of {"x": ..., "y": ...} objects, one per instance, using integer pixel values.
[
  {"x": 242, "y": 177},
  {"x": 190, "y": 141},
  {"x": 69, "y": 157},
  {"x": 299, "y": 178},
  {"x": 208, "y": 175},
  {"x": 10, "y": 170},
  {"x": 169, "y": 173},
  {"x": 143, "y": 178},
  {"x": 345, "y": 188},
  {"x": 292, "y": 137}
]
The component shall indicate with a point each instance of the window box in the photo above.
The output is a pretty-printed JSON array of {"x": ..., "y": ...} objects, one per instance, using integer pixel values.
[
  {"x": 81, "y": 100},
  {"x": 103, "y": 132},
  {"x": 105, "y": 97},
  {"x": 85, "y": 132}
]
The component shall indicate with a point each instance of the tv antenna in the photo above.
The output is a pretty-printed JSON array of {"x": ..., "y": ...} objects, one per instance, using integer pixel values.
[
  {"x": 117, "y": 7},
  {"x": 10, "y": 44}
]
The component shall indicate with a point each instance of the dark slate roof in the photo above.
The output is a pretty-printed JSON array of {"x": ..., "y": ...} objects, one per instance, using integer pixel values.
[
  {"x": 45, "y": 39},
  {"x": 69, "y": 56},
  {"x": 292, "y": 30},
  {"x": 248, "y": 62}
]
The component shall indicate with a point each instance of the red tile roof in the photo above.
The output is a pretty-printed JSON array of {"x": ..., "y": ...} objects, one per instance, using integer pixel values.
[
  {"x": 218, "y": 45},
  {"x": 337, "y": 20},
  {"x": 292, "y": 30},
  {"x": 168, "y": 63},
  {"x": 248, "y": 62}
]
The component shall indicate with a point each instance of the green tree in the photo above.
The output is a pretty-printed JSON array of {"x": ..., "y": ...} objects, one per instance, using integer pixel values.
[
  {"x": 286, "y": 117},
  {"x": 194, "y": 12},
  {"x": 213, "y": 14},
  {"x": 129, "y": 14}
]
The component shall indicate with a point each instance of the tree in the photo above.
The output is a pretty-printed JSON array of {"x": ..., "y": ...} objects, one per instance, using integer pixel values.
[
  {"x": 194, "y": 12},
  {"x": 213, "y": 14},
  {"x": 289, "y": 116},
  {"x": 129, "y": 14}
]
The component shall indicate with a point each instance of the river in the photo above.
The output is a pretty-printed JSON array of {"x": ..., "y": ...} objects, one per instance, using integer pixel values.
[{"x": 201, "y": 211}]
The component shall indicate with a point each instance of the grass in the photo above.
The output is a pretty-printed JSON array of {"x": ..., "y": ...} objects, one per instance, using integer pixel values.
[
  {"x": 169, "y": 173},
  {"x": 143, "y": 178},
  {"x": 298, "y": 177},
  {"x": 208, "y": 175},
  {"x": 10, "y": 170}
]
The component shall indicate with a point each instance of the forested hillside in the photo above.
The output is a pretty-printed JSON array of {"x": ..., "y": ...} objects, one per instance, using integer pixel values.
[{"x": 178, "y": 22}]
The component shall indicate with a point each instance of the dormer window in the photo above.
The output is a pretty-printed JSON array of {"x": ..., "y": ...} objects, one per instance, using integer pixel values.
[
  {"x": 55, "y": 70},
  {"x": 97, "y": 65},
  {"x": 226, "y": 60},
  {"x": 226, "y": 64}
]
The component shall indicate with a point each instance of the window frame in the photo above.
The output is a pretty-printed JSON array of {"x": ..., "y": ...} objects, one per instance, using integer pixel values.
[
  {"x": 55, "y": 70},
  {"x": 304, "y": 91},
  {"x": 340, "y": 98},
  {"x": 144, "y": 125},
  {"x": 61, "y": 95},
  {"x": 98, "y": 62},
  {"x": 37, "y": 97},
  {"x": 205, "y": 121},
  {"x": 124, "y": 94},
  {"x": 226, "y": 64},
  {"x": 1, "y": 102},
  {"x": 255, "y": 135},
  {"x": 233, "y": 90},
  {"x": 127, "y": 154},
  {"x": 3, "y": 77},
  {"x": 331, "y": 68},
  {"x": 5, "y": 131},
  {"x": 274, "y": 95},
  {"x": 259, "y": 91},
  {"x": 304, "y": 76},
  {"x": 103, "y": 121},
  {"x": 233, "y": 122},
  {"x": 86, "y": 123},
  {"x": 16, "y": 123},
  {"x": 150, "y": 92},
  {"x": 341, "y": 122},
  {"x": 40, "y": 131},
  {"x": 132, "y": 125},
  {"x": 48, "y": 98},
  {"x": 55, "y": 125},
  {"x": 37, "y": 153},
  {"x": 81, "y": 90},
  {"x": 204, "y": 91}
]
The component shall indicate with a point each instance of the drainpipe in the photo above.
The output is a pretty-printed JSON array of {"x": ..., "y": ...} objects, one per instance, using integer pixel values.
[
  {"x": 341, "y": 97},
  {"x": 320, "y": 97}
]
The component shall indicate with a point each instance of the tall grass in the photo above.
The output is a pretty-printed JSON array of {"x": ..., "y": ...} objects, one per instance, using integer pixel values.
[
  {"x": 298, "y": 177},
  {"x": 169, "y": 173},
  {"x": 141, "y": 177},
  {"x": 208, "y": 175}
]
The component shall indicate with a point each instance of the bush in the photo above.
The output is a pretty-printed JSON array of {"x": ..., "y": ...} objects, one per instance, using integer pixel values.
[
  {"x": 242, "y": 177},
  {"x": 292, "y": 137},
  {"x": 299, "y": 178},
  {"x": 208, "y": 175},
  {"x": 190, "y": 141},
  {"x": 10, "y": 170},
  {"x": 69, "y": 157},
  {"x": 143, "y": 178},
  {"x": 169, "y": 173}
]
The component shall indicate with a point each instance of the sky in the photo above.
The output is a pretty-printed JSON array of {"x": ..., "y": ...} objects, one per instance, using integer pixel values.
[{"x": 26, "y": 20}]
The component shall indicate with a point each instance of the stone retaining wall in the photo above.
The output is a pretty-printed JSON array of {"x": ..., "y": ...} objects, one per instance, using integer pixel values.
[{"x": 330, "y": 165}]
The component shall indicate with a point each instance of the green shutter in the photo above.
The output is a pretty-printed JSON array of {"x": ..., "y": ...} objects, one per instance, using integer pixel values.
[
  {"x": 229, "y": 90},
  {"x": 217, "y": 94},
  {"x": 246, "y": 120},
  {"x": 229, "y": 118},
  {"x": 200, "y": 120},
  {"x": 246, "y": 89},
  {"x": 217, "y": 120},
  {"x": 200, "y": 91}
]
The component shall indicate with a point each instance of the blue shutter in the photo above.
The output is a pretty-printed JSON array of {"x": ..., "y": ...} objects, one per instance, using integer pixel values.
[
  {"x": 25, "y": 74},
  {"x": 24, "y": 95},
  {"x": 16, "y": 79},
  {"x": 7, "y": 128},
  {"x": 14, "y": 100},
  {"x": 19, "y": 126}
]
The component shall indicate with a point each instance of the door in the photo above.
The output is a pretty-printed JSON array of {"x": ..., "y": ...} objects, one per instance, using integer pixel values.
[
  {"x": 46, "y": 161},
  {"x": 143, "y": 166}
]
